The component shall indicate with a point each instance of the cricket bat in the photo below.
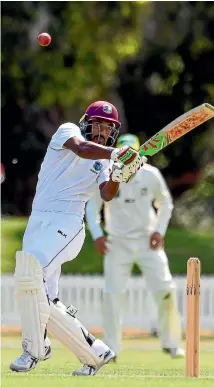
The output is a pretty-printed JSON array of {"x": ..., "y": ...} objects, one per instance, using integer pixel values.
[{"x": 176, "y": 129}]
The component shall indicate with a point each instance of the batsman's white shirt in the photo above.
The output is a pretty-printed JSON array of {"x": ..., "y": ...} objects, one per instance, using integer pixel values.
[
  {"x": 65, "y": 178},
  {"x": 131, "y": 214},
  {"x": 55, "y": 231}
]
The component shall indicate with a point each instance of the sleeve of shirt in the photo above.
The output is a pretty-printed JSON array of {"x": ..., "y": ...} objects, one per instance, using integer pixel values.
[
  {"x": 64, "y": 132},
  {"x": 93, "y": 209},
  {"x": 165, "y": 204},
  {"x": 104, "y": 175}
]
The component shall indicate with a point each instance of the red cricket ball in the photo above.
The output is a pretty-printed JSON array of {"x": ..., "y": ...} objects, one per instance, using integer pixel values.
[{"x": 44, "y": 39}]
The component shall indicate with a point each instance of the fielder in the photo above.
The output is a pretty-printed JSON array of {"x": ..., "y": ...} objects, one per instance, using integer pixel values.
[
  {"x": 136, "y": 234},
  {"x": 77, "y": 159}
]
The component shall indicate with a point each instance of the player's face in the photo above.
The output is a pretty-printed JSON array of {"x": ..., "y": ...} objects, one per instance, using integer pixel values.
[{"x": 101, "y": 130}]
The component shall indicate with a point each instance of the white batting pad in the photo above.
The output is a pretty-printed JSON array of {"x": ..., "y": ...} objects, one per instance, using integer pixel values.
[
  {"x": 33, "y": 303},
  {"x": 68, "y": 330}
]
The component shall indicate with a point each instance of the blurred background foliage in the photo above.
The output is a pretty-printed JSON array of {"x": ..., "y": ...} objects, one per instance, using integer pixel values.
[{"x": 154, "y": 60}]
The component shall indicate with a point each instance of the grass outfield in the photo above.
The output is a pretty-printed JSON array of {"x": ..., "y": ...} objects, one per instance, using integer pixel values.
[
  {"x": 141, "y": 363},
  {"x": 180, "y": 245}
]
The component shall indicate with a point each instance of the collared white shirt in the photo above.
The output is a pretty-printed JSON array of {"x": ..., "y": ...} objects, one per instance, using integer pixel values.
[{"x": 66, "y": 181}]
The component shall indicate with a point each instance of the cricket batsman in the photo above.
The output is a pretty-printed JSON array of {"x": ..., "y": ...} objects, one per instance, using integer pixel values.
[
  {"x": 136, "y": 234},
  {"x": 77, "y": 159}
]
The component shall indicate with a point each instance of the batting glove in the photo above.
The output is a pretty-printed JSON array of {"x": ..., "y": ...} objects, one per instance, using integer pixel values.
[
  {"x": 128, "y": 157},
  {"x": 119, "y": 174}
]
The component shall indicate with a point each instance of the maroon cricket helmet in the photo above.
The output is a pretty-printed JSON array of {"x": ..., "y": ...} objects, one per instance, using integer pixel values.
[{"x": 101, "y": 110}]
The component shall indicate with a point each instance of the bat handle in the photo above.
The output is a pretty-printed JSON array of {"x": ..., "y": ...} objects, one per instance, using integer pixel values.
[
  {"x": 149, "y": 151},
  {"x": 142, "y": 152}
]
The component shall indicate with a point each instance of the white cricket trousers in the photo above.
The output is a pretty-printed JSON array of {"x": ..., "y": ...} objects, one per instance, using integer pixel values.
[
  {"x": 53, "y": 238},
  {"x": 118, "y": 261}
]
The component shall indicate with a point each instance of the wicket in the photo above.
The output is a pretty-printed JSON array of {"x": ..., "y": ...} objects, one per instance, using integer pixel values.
[{"x": 193, "y": 318}]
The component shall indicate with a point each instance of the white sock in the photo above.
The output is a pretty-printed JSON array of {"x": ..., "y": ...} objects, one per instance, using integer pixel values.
[
  {"x": 99, "y": 347},
  {"x": 47, "y": 342}
]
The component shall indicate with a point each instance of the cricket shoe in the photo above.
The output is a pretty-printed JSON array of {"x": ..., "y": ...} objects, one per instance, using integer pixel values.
[
  {"x": 175, "y": 352},
  {"x": 87, "y": 370},
  {"x": 26, "y": 362}
]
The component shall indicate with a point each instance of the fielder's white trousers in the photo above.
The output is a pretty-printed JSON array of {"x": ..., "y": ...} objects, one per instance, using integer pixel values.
[
  {"x": 53, "y": 238},
  {"x": 118, "y": 261}
]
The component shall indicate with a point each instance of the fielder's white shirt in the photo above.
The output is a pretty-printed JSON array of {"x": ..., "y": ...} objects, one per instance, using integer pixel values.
[
  {"x": 131, "y": 214},
  {"x": 66, "y": 181}
]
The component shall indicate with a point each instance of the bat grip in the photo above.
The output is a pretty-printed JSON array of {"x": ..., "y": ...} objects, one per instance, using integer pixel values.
[{"x": 142, "y": 152}]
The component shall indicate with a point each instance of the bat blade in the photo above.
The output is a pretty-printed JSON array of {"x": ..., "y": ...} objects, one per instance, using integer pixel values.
[{"x": 176, "y": 129}]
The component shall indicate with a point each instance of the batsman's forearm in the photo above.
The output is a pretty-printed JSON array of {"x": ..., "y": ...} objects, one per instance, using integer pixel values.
[
  {"x": 109, "y": 190},
  {"x": 92, "y": 151}
]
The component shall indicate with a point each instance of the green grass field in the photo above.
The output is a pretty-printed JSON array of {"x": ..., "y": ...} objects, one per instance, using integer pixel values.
[
  {"x": 180, "y": 244},
  {"x": 141, "y": 363}
]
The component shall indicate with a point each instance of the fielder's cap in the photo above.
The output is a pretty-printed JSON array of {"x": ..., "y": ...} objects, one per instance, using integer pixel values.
[{"x": 128, "y": 139}]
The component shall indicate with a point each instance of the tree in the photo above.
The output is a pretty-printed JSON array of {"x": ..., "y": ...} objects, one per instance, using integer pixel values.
[
  {"x": 157, "y": 59},
  {"x": 89, "y": 39},
  {"x": 173, "y": 73}
]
